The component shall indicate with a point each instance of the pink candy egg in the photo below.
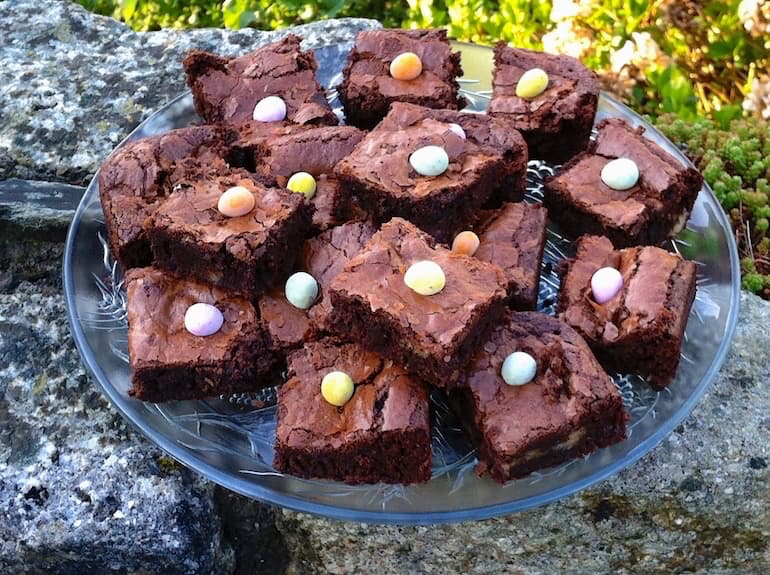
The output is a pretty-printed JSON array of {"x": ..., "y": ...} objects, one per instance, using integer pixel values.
[
  {"x": 457, "y": 129},
  {"x": 270, "y": 109},
  {"x": 203, "y": 319},
  {"x": 606, "y": 283}
]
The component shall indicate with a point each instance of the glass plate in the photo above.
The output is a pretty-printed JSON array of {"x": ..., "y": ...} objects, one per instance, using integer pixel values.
[{"x": 230, "y": 439}]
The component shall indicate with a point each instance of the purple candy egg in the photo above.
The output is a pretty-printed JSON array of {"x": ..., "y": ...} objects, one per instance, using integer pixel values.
[
  {"x": 203, "y": 319},
  {"x": 270, "y": 109},
  {"x": 606, "y": 283}
]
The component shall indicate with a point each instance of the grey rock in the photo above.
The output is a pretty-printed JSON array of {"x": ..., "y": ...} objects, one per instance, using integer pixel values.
[
  {"x": 79, "y": 491},
  {"x": 75, "y": 84},
  {"x": 37, "y": 210},
  {"x": 698, "y": 502}
]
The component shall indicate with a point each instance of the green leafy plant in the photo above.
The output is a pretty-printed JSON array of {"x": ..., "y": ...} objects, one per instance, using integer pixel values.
[{"x": 735, "y": 161}]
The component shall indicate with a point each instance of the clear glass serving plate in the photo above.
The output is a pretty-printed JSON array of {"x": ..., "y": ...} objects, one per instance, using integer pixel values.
[{"x": 230, "y": 439}]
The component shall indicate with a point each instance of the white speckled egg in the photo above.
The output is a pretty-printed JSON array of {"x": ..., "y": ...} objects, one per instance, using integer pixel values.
[
  {"x": 429, "y": 161},
  {"x": 519, "y": 368},
  {"x": 620, "y": 174}
]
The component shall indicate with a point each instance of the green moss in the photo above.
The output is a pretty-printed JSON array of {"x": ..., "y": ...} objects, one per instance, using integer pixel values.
[
  {"x": 707, "y": 542},
  {"x": 168, "y": 465}
]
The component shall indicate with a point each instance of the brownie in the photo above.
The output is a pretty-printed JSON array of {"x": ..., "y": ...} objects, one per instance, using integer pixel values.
[
  {"x": 497, "y": 134},
  {"x": 557, "y": 123},
  {"x": 134, "y": 180},
  {"x": 168, "y": 362},
  {"x": 431, "y": 336},
  {"x": 248, "y": 254},
  {"x": 655, "y": 209},
  {"x": 368, "y": 89},
  {"x": 227, "y": 89},
  {"x": 379, "y": 174},
  {"x": 640, "y": 330},
  {"x": 316, "y": 151},
  {"x": 381, "y": 435},
  {"x": 323, "y": 257},
  {"x": 568, "y": 410},
  {"x": 513, "y": 238}
]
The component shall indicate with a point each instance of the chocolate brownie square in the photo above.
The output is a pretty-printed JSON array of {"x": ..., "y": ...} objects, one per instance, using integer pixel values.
[
  {"x": 432, "y": 336},
  {"x": 497, "y": 134},
  {"x": 367, "y": 89},
  {"x": 228, "y": 89},
  {"x": 569, "y": 409},
  {"x": 639, "y": 330},
  {"x": 378, "y": 172},
  {"x": 315, "y": 151},
  {"x": 557, "y": 123},
  {"x": 249, "y": 253},
  {"x": 134, "y": 180},
  {"x": 513, "y": 238},
  {"x": 168, "y": 362},
  {"x": 381, "y": 435},
  {"x": 654, "y": 209},
  {"x": 323, "y": 257}
]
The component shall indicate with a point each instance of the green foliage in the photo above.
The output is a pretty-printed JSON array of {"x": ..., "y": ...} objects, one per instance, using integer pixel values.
[{"x": 735, "y": 161}]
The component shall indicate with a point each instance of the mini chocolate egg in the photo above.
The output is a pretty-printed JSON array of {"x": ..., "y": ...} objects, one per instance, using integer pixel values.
[
  {"x": 429, "y": 161},
  {"x": 203, "y": 319},
  {"x": 532, "y": 83},
  {"x": 620, "y": 174},
  {"x": 337, "y": 388},
  {"x": 425, "y": 277},
  {"x": 519, "y": 368},
  {"x": 605, "y": 284},
  {"x": 270, "y": 109},
  {"x": 457, "y": 129},
  {"x": 235, "y": 201},
  {"x": 301, "y": 290},
  {"x": 302, "y": 183},
  {"x": 406, "y": 66},
  {"x": 466, "y": 243}
]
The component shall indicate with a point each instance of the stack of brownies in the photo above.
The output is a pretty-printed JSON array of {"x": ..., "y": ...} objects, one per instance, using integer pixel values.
[{"x": 359, "y": 266}]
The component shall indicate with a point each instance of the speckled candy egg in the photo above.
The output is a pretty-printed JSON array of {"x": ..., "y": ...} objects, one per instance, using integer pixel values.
[
  {"x": 620, "y": 174},
  {"x": 519, "y": 368},
  {"x": 302, "y": 183},
  {"x": 466, "y": 243},
  {"x": 532, "y": 83},
  {"x": 301, "y": 290},
  {"x": 606, "y": 283},
  {"x": 429, "y": 161},
  {"x": 406, "y": 66},
  {"x": 425, "y": 277},
  {"x": 270, "y": 109},
  {"x": 203, "y": 319},
  {"x": 457, "y": 129},
  {"x": 337, "y": 388},
  {"x": 236, "y": 201}
]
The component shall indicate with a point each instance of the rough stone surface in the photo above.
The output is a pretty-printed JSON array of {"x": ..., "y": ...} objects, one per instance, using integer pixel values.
[
  {"x": 74, "y": 84},
  {"x": 699, "y": 502},
  {"x": 40, "y": 211},
  {"x": 79, "y": 491}
]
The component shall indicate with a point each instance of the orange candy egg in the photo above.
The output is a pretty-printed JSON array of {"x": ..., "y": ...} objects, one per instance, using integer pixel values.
[
  {"x": 406, "y": 66},
  {"x": 466, "y": 243},
  {"x": 235, "y": 201}
]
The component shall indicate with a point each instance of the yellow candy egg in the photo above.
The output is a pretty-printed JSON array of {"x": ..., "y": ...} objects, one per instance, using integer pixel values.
[
  {"x": 235, "y": 201},
  {"x": 532, "y": 83},
  {"x": 425, "y": 278},
  {"x": 406, "y": 66},
  {"x": 302, "y": 183},
  {"x": 466, "y": 243},
  {"x": 337, "y": 388}
]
